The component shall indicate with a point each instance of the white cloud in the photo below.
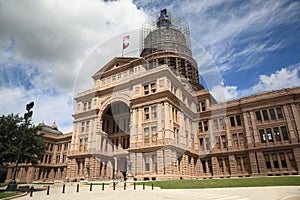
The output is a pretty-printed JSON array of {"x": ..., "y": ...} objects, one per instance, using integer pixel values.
[
  {"x": 224, "y": 93},
  {"x": 283, "y": 78},
  {"x": 55, "y": 38}
]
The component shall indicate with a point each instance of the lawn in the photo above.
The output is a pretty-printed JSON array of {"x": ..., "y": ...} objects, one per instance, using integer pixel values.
[
  {"x": 228, "y": 182},
  {"x": 7, "y": 194}
]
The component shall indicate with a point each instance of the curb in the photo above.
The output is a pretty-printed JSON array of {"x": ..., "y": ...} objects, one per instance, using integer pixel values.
[
  {"x": 291, "y": 197},
  {"x": 17, "y": 196}
]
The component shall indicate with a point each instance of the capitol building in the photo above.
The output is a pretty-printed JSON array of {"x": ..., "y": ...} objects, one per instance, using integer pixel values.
[{"x": 150, "y": 118}]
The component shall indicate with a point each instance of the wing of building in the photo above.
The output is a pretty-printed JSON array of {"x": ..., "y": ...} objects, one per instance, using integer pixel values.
[{"x": 149, "y": 118}]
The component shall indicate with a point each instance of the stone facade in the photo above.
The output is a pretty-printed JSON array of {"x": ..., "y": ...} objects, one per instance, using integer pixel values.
[
  {"x": 149, "y": 118},
  {"x": 151, "y": 125},
  {"x": 53, "y": 165}
]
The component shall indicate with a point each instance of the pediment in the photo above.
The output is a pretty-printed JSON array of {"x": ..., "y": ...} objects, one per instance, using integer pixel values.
[{"x": 115, "y": 63}]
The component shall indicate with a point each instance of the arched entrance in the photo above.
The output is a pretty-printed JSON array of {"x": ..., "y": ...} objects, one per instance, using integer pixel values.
[{"x": 115, "y": 125}]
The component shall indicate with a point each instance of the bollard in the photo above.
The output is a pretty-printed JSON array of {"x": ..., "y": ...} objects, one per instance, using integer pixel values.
[
  {"x": 102, "y": 186},
  {"x": 134, "y": 185},
  {"x": 91, "y": 186},
  {"x": 31, "y": 191},
  {"x": 143, "y": 186},
  {"x": 48, "y": 189},
  {"x": 124, "y": 185},
  {"x": 114, "y": 186},
  {"x": 64, "y": 188},
  {"x": 152, "y": 185},
  {"x": 77, "y": 189}
]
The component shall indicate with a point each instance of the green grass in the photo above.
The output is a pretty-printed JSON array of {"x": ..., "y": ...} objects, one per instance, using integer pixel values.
[
  {"x": 5, "y": 184},
  {"x": 7, "y": 194},
  {"x": 228, "y": 182},
  {"x": 44, "y": 183}
]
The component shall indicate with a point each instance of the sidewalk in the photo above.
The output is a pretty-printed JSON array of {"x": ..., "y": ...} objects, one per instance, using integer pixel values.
[{"x": 253, "y": 193}]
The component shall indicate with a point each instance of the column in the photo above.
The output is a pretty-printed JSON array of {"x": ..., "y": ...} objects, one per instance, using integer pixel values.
[
  {"x": 279, "y": 162},
  {"x": 255, "y": 133},
  {"x": 253, "y": 163},
  {"x": 261, "y": 162},
  {"x": 296, "y": 114},
  {"x": 289, "y": 125},
  {"x": 232, "y": 164},
  {"x": 160, "y": 161},
  {"x": 140, "y": 129},
  {"x": 228, "y": 133},
  {"x": 289, "y": 167},
  {"x": 214, "y": 162},
  {"x": 225, "y": 171},
  {"x": 296, "y": 151},
  {"x": 168, "y": 120},
  {"x": 242, "y": 164},
  {"x": 247, "y": 126}
]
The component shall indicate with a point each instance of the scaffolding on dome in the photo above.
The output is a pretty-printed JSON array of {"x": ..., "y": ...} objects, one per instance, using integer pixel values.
[{"x": 167, "y": 33}]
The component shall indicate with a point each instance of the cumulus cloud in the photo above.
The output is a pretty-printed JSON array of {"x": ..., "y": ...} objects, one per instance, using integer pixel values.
[
  {"x": 224, "y": 93},
  {"x": 283, "y": 78},
  {"x": 44, "y": 44}
]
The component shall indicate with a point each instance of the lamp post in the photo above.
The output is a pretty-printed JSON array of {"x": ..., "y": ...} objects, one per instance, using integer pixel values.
[{"x": 12, "y": 186}]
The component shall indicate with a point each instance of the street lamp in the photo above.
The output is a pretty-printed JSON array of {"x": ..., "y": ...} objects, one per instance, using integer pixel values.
[{"x": 12, "y": 186}]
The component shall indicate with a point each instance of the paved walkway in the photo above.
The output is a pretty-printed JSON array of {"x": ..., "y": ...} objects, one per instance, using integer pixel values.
[{"x": 251, "y": 193}]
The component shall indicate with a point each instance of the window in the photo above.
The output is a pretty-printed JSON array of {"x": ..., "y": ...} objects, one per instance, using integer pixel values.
[
  {"x": 153, "y": 87},
  {"x": 272, "y": 114},
  {"x": 146, "y": 131},
  {"x": 258, "y": 116},
  {"x": 268, "y": 163},
  {"x": 82, "y": 127},
  {"x": 205, "y": 126},
  {"x": 224, "y": 141},
  {"x": 235, "y": 140},
  {"x": 85, "y": 106},
  {"x": 87, "y": 126},
  {"x": 221, "y": 123},
  {"x": 238, "y": 120},
  {"x": 232, "y": 122},
  {"x": 216, "y": 124},
  {"x": 279, "y": 113},
  {"x": 203, "y": 106},
  {"x": 282, "y": 160},
  {"x": 154, "y": 163},
  {"x": 265, "y": 115},
  {"x": 200, "y": 128},
  {"x": 146, "y": 113},
  {"x": 149, "y": 88},
  {"x": 242, "y": 139},
  {"x": 275, "y": 161},
  {"x": 147, "y": 165},
  {"x": 114, "y": 78},
  {"x": 262, "y": 136},
  {"x": 276, "y": 134},
  {"x": 153, "y": 112},
  {"x": 284, "y": 133},
  {"x": 153, "y": 130},
  {"x": 197, "y": 107},
  {"x": 146, "y": 89},
  {"x": 269, "y": 133},
  {"x": 119, "y": 76},
  {"x": 108, "y": 80}
]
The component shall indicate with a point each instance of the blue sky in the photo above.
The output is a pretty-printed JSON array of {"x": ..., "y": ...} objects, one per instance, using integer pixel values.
[{"x": 50, "y": 49}]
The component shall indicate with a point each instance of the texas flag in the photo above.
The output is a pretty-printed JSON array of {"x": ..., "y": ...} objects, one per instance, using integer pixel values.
[{"x": 125, "y": 41}]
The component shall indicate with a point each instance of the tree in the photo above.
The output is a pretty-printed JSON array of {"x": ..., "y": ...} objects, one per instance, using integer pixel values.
[{"x": 13, "y": 130}]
